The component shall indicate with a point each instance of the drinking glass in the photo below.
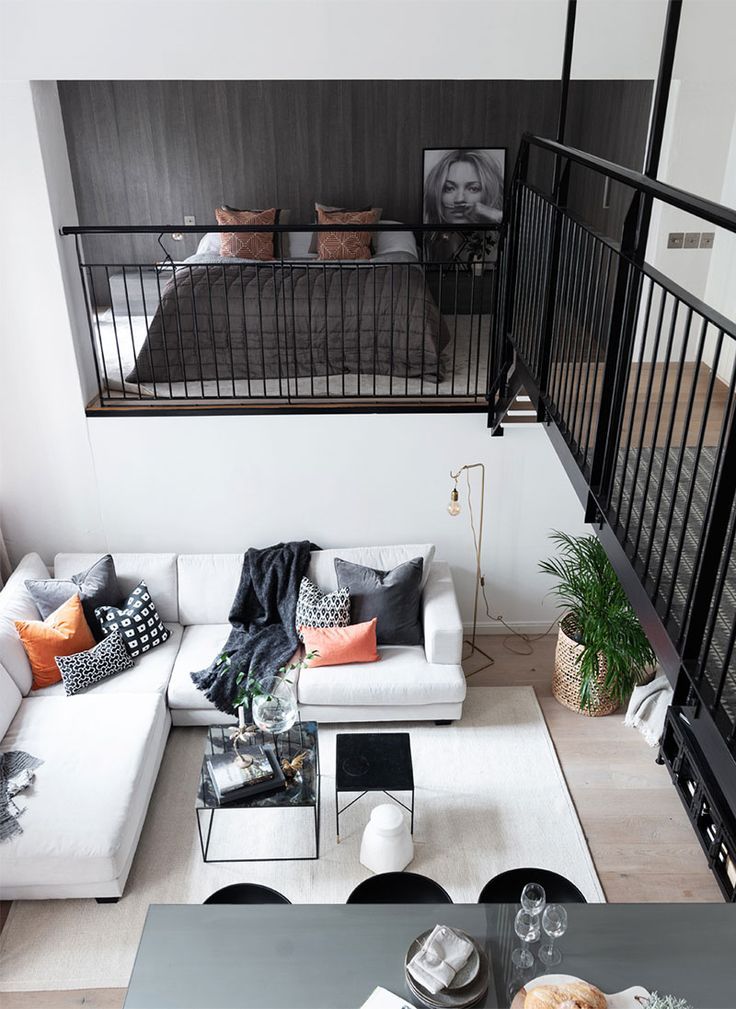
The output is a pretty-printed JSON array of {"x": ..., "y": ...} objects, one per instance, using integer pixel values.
[
  {"x": 526, "y": 926},
  {"x": 554, "y": 923},
  {"x": 533, "y": 898}
]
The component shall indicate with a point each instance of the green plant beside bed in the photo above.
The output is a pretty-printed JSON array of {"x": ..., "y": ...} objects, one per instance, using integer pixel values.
[{"x": 599, "y": 617}]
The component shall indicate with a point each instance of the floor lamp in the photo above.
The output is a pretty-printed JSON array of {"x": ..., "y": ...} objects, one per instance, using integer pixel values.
[{"x": 454, "y": 510}]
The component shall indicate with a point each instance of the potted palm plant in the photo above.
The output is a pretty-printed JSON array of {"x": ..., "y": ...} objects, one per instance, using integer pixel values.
[{"x": 602, "y": 652}]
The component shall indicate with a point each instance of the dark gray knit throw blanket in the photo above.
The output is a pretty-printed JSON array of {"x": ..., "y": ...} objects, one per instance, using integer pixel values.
[
  {"x": 263, "y": 615},
  {"x": 16, "y": 773}
]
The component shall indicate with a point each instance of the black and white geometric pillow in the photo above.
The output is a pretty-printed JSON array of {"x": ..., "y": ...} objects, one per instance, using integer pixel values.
[
  {"x": 138, "y": 622},
  {"x": 85, "y": 668},
  {"x": 315, "y": 608}
]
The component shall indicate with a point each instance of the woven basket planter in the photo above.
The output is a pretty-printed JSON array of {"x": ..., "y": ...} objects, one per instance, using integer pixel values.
[{"x": 566, "y": 678}]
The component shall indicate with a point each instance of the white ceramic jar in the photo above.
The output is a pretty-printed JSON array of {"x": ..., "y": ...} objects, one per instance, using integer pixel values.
[{"x": 387, "y": 845}]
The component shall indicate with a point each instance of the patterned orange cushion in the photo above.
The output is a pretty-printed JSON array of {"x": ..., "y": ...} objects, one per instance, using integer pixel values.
[
  {"x": 246, "y": 244},
  {"x": 345, "y": 244},
  {"x": 63, "y": 632},
  {"x": 339, "y": 645}
]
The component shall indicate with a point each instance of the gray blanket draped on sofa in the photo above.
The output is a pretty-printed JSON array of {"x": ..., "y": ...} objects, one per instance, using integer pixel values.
[{"x": 263, "y": 615}]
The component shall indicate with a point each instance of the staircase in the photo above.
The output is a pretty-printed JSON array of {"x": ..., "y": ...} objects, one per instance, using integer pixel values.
[{"x": 635, "y": 382}]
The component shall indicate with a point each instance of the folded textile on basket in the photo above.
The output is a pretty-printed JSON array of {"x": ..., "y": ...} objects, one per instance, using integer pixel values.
[
  {"x": 648, "y": 708},
  {"x": 443, "y": 954}
]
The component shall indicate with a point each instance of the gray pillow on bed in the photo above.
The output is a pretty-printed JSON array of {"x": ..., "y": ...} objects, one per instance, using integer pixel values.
[{"x": 394, "y": 597}]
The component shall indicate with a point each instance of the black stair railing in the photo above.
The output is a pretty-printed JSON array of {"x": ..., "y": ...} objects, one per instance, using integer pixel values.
[{"x": 636, "y": 379}]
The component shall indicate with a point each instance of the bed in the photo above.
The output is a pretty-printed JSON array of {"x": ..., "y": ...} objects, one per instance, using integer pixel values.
[{"x": 225, "y": 318}]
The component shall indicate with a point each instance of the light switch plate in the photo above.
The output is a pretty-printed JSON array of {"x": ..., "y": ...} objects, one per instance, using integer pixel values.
[
  {"x": 706, "y": 239},
  {"x": 189, "y": 220},
  {"x": 692, "y": 239},
  {"x": 675, "y": 239}
]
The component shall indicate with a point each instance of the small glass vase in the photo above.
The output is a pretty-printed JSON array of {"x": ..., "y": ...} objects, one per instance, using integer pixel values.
[{"x": 276, "y": 709}]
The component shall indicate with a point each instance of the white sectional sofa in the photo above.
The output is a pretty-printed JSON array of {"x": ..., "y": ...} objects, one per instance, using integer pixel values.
[{"x": 102, "y": 748}]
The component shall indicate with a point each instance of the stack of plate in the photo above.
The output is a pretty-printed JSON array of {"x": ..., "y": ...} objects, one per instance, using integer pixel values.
[{"x": 468, "y": 987}]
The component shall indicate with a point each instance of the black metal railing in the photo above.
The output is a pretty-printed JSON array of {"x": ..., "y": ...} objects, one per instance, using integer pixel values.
[
  {"x": 638, "y": 379},
  {"x": 408, "y": 327}
]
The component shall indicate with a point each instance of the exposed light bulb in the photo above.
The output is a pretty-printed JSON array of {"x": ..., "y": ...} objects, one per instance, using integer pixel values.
[{"x": 453, "y": 507}]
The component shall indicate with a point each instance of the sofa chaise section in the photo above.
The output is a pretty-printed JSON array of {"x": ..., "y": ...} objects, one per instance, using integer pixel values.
[{"x": 84, "y": 814}]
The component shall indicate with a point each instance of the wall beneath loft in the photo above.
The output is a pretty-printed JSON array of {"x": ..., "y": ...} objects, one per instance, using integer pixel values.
[{"x": 226, "y": 483}]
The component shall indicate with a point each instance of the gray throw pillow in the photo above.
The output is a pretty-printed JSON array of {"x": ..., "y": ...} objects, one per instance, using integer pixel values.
[
  {"x": 394, "y": 597},
  {"x": 97, "y": 586},
  {"x": 84, "y": 669}
]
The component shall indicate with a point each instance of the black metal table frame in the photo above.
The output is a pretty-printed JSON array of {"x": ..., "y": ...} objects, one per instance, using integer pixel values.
[
  {"x": 339, "y": 812},
  {"x": 204, "y": 843}
]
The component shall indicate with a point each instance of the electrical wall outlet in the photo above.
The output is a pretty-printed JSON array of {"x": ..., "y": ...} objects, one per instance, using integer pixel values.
[
  {"x": 706, "y": 239},
  {"x": 692, "y": 239},
  {"x": 675, "y": 240},
  {"x": 189, "y": 220}
]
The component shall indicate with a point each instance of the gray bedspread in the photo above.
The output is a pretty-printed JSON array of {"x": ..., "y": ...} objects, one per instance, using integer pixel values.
[{"x": 231, "y": 319}]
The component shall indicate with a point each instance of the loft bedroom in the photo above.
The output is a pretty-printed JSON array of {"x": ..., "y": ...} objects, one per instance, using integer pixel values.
[{"x": 175, "y": 322}]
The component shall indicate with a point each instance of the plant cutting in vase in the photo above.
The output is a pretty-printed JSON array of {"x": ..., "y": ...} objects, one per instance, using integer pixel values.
[
  {"x": 278, "y": 704},
  {"x": 610, "y": 651}
]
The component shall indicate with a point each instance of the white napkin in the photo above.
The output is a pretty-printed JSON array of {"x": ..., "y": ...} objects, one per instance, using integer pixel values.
[{"x": 443, "y": 954}]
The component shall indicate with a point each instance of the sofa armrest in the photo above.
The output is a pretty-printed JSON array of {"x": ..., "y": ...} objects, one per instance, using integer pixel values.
[{"x": 443, "y": 628}]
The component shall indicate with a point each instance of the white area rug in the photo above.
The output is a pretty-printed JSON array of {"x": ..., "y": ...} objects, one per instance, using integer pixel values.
[{"x": 490, "y": 796}]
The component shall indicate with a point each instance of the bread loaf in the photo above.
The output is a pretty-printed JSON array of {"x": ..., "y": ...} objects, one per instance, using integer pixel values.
[{"x": 574, "y": 995}]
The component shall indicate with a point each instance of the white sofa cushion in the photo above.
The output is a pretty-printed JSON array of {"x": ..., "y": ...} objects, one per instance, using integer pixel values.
[
  {"x": 150, "y": 674},
  {"x": 10, "y": 698},
  {"x": 158, "y": 571},
  {"x": 207, "y": 584},
  {"x": 402, "y": 676},
  {"x": 199, "y": 646},
  {"x": 16, "y": 603},
  {"x": 322, "y": 562},
  {"x": 83, "y": 811},
  {"x": 443, "y": 626}
]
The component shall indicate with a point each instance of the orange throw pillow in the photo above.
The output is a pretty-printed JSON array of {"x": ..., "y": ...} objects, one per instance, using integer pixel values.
[
  {"x": 339, "y": 645},
  {"x": 246, "y": 244},
  {"x": 63, "y": 632},
  {"x": 345, "y": 244}
]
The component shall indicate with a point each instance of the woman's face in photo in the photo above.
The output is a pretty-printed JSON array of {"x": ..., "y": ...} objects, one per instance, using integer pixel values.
[{"x": 461, "y": 192}]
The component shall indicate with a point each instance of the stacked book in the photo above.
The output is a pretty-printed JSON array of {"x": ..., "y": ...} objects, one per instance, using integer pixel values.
[{"x": 231, "y": 782}]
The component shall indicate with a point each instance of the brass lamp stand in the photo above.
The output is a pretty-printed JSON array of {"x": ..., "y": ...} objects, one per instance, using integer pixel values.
[{"x": 454, "y": 510}]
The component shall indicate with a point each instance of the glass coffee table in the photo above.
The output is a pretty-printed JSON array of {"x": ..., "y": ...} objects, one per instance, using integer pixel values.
[
  {"x": 300, "y": 793},
  {"x": 373, "y": 762}
]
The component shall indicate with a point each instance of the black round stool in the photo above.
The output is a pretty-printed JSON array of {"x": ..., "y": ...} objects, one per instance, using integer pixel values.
[
  {"x": 246, "y": 893},
  {"x": 399, "y": 888},
  {"x": 507, "y": 886}
]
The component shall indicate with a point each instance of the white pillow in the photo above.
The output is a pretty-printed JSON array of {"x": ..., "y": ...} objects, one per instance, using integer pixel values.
[
  {"x": 388, "y": 243},
  {"x": 209, "y": 244}
]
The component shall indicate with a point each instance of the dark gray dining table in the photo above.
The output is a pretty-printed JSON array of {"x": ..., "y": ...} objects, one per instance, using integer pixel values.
[{"x": 332, "y": 956}]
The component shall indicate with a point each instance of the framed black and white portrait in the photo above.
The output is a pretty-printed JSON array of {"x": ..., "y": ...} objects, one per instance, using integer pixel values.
[{"x": 462, "y": 185}]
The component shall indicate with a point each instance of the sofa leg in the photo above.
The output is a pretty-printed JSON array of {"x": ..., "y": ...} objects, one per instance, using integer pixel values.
[
  {"x": 444, "y": 721},
  {"x": 107, "y": 900}
]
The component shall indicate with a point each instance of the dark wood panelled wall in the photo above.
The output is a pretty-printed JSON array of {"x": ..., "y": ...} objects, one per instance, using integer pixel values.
[{"x": 151, "y": 151}]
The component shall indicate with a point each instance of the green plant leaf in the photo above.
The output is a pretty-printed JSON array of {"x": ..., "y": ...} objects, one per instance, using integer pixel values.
[{"x": 599, "y": 616}]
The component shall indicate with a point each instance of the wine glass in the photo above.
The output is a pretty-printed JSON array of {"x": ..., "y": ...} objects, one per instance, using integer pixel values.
[
  {"x": 526, "y": 926},
  {"x": 554, "y": 923},
  {"x": 533, "y": 898}
]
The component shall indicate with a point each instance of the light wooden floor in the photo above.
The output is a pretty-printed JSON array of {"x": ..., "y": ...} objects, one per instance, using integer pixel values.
[{"x": 641, "y": 841}]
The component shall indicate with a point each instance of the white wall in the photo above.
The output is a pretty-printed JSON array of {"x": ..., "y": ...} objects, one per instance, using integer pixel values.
[
  {"x": 698, "y": 156},
  {"x": 317, "y": 39},
  {"x": 48, "y": 493},
  {"x": 226, "y": 483}
]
